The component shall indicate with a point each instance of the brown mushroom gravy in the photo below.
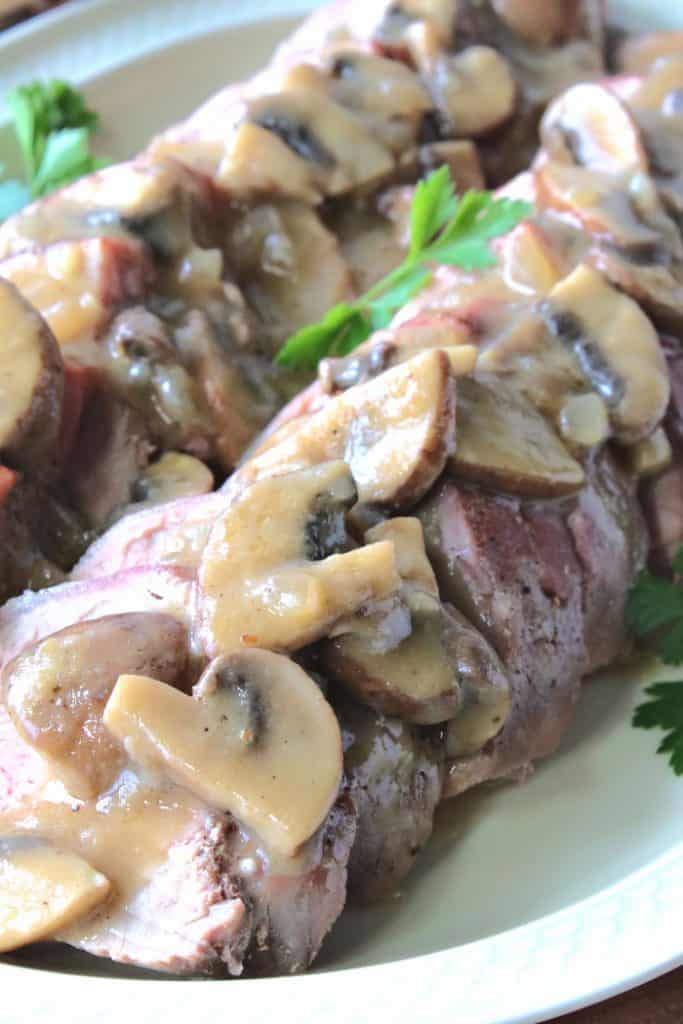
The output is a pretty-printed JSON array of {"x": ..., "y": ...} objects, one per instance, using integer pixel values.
[{"x": 254, "y": 634}]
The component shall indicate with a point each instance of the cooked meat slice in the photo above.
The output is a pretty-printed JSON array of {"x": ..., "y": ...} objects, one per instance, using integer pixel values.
[
  {"x": 546, "y": 590},
  {"x": 395, "y": 778},
  {"x": 663, "y": 506},
  {"x": 293, "y": 905},
  {"x": 172, "y": 534},
  {"x": 27, "y": 619},
  {"x": 513, "y": 572},
  {"x": 112, "y": 450},
  {"x": 201, "y": 897},
  {"x": 611, "y": 543}
]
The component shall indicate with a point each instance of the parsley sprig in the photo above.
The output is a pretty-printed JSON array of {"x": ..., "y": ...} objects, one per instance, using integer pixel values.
[
  {"x": 445, "y": 230},
  {"x": 655, "y": 609},
  {"x": 53, "y": 126}
]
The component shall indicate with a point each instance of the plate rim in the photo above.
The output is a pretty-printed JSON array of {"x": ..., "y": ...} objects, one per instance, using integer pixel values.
[{"x": 549, "y": 963}]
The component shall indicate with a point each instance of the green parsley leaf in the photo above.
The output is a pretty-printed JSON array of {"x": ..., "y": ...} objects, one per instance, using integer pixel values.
[
  {"x": 653, "y": 603},
  {"x": 64, "y": 150},
  {"x": 664, "y": 711},
  {"x": 445, "y": 230},
  {"x": 655, "y": 609},
  {"x": 53, "y": 126},
  {"x": 434, "y": 205}
]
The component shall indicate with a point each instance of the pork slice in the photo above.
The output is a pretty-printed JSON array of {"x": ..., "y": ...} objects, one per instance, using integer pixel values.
[
  {"x": 514, "y": 573},
  {"x": 29, "y": 618},
  {"x": 171, "y": 534},
  {"x": 662, "y": 498},
  {"x": 112, "y": 449},
  {"x": 663, "y": 506},
  {"x": 211, "y": 901},
  {"x": 395, "y": 774},
  {"x": 291, "y": 906},
  {"x": 611, "y": 542}
]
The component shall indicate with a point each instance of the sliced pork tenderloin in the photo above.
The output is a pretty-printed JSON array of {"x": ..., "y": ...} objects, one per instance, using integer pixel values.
[
  {"x": 546, "y": 586},
  {"x": 395, "y": 774}
]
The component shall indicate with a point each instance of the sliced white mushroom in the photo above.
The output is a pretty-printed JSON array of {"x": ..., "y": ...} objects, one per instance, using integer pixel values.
[
  {"x": 459, "y": 155},
  {"x": 442, "y": 670},
  {"x": 43, "y": 889},
  {"x": 31, "y": 384},
  {"x": 617, "y": 349},
  {"x": 400, "y": 18},
  {"x": 474, "y": 91},
  {"x": 258, "y": 739},
  {"x": 394, "y": 432},
  {"x": 55, "y": 691},
  {"x": 588, "y": 125},
  {"x": 329, "y": 138},
  {"x": 277, "y": 571},
  {"x": 538, "y": 22},
  {"x": 387, "y": 94},
  {"x": 256, "y": 162},
  {"x": 652, "y": 455},
  {"x": 407, "y": 536},
  {"x": 505, "y": 443},
  {"x": 584, "y": 420},
  {"x": 529, "y": 263},
  {"x": 289, "y": 265},
  {"x": 175, "y": 475},
  {"x": 595, "y": 202}
]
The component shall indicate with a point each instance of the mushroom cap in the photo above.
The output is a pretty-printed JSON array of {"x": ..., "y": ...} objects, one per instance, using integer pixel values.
[{"x": 257, "y": 739}]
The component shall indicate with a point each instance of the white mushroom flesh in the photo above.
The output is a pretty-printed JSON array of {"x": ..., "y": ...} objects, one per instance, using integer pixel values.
[
  {"x": 43, "y": 889},
  {"x": 258, "y": 739},
  {"x": 270, "y": 576}
]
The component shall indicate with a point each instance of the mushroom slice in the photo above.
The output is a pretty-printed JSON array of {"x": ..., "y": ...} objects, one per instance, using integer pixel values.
[
  {"x": 595, "y": 203},
  {"x": 474, "y": 91},
  {"x": 31, "y": 383},
  {"x": 175, "y": 475},
  {"x": 257, "y": 162},
  {"x": 55, "y": 691},
  {"x": 257, "y": 739},
  {"x": 334, "y": 142},
  {"x": 412, "y": 562},
  {"x": 652, "y": 455},
  {"x": 486, "y": 694},
  {"x": 584, "y": 421},
  {"x": 459, "y": 155},
  {"x": 528, "y": 261},
  {"x": 43, "y": 889},
  {"x": 400, "y": 18},
  {"x": 616, "y": 347},
  {"x": 538, "y": 22},
  {"x": 505, "y": 443},
  {"x": 289, "y": 265},
  {"x": 442, "y": 669},
  {"x": 589, "y": 125},
  {"x": 374, "y": 85},
  {"x": 639, "y": 55},
  {"x": 394, "y": 432},
  {"x": 271, "y": 575}
]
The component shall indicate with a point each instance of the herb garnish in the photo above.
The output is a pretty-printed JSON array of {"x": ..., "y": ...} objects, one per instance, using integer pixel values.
[
  {"x": 655, "y": 606},
  {"x": 53, "y": 126},
  {"x": 445, "y": 230}
]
